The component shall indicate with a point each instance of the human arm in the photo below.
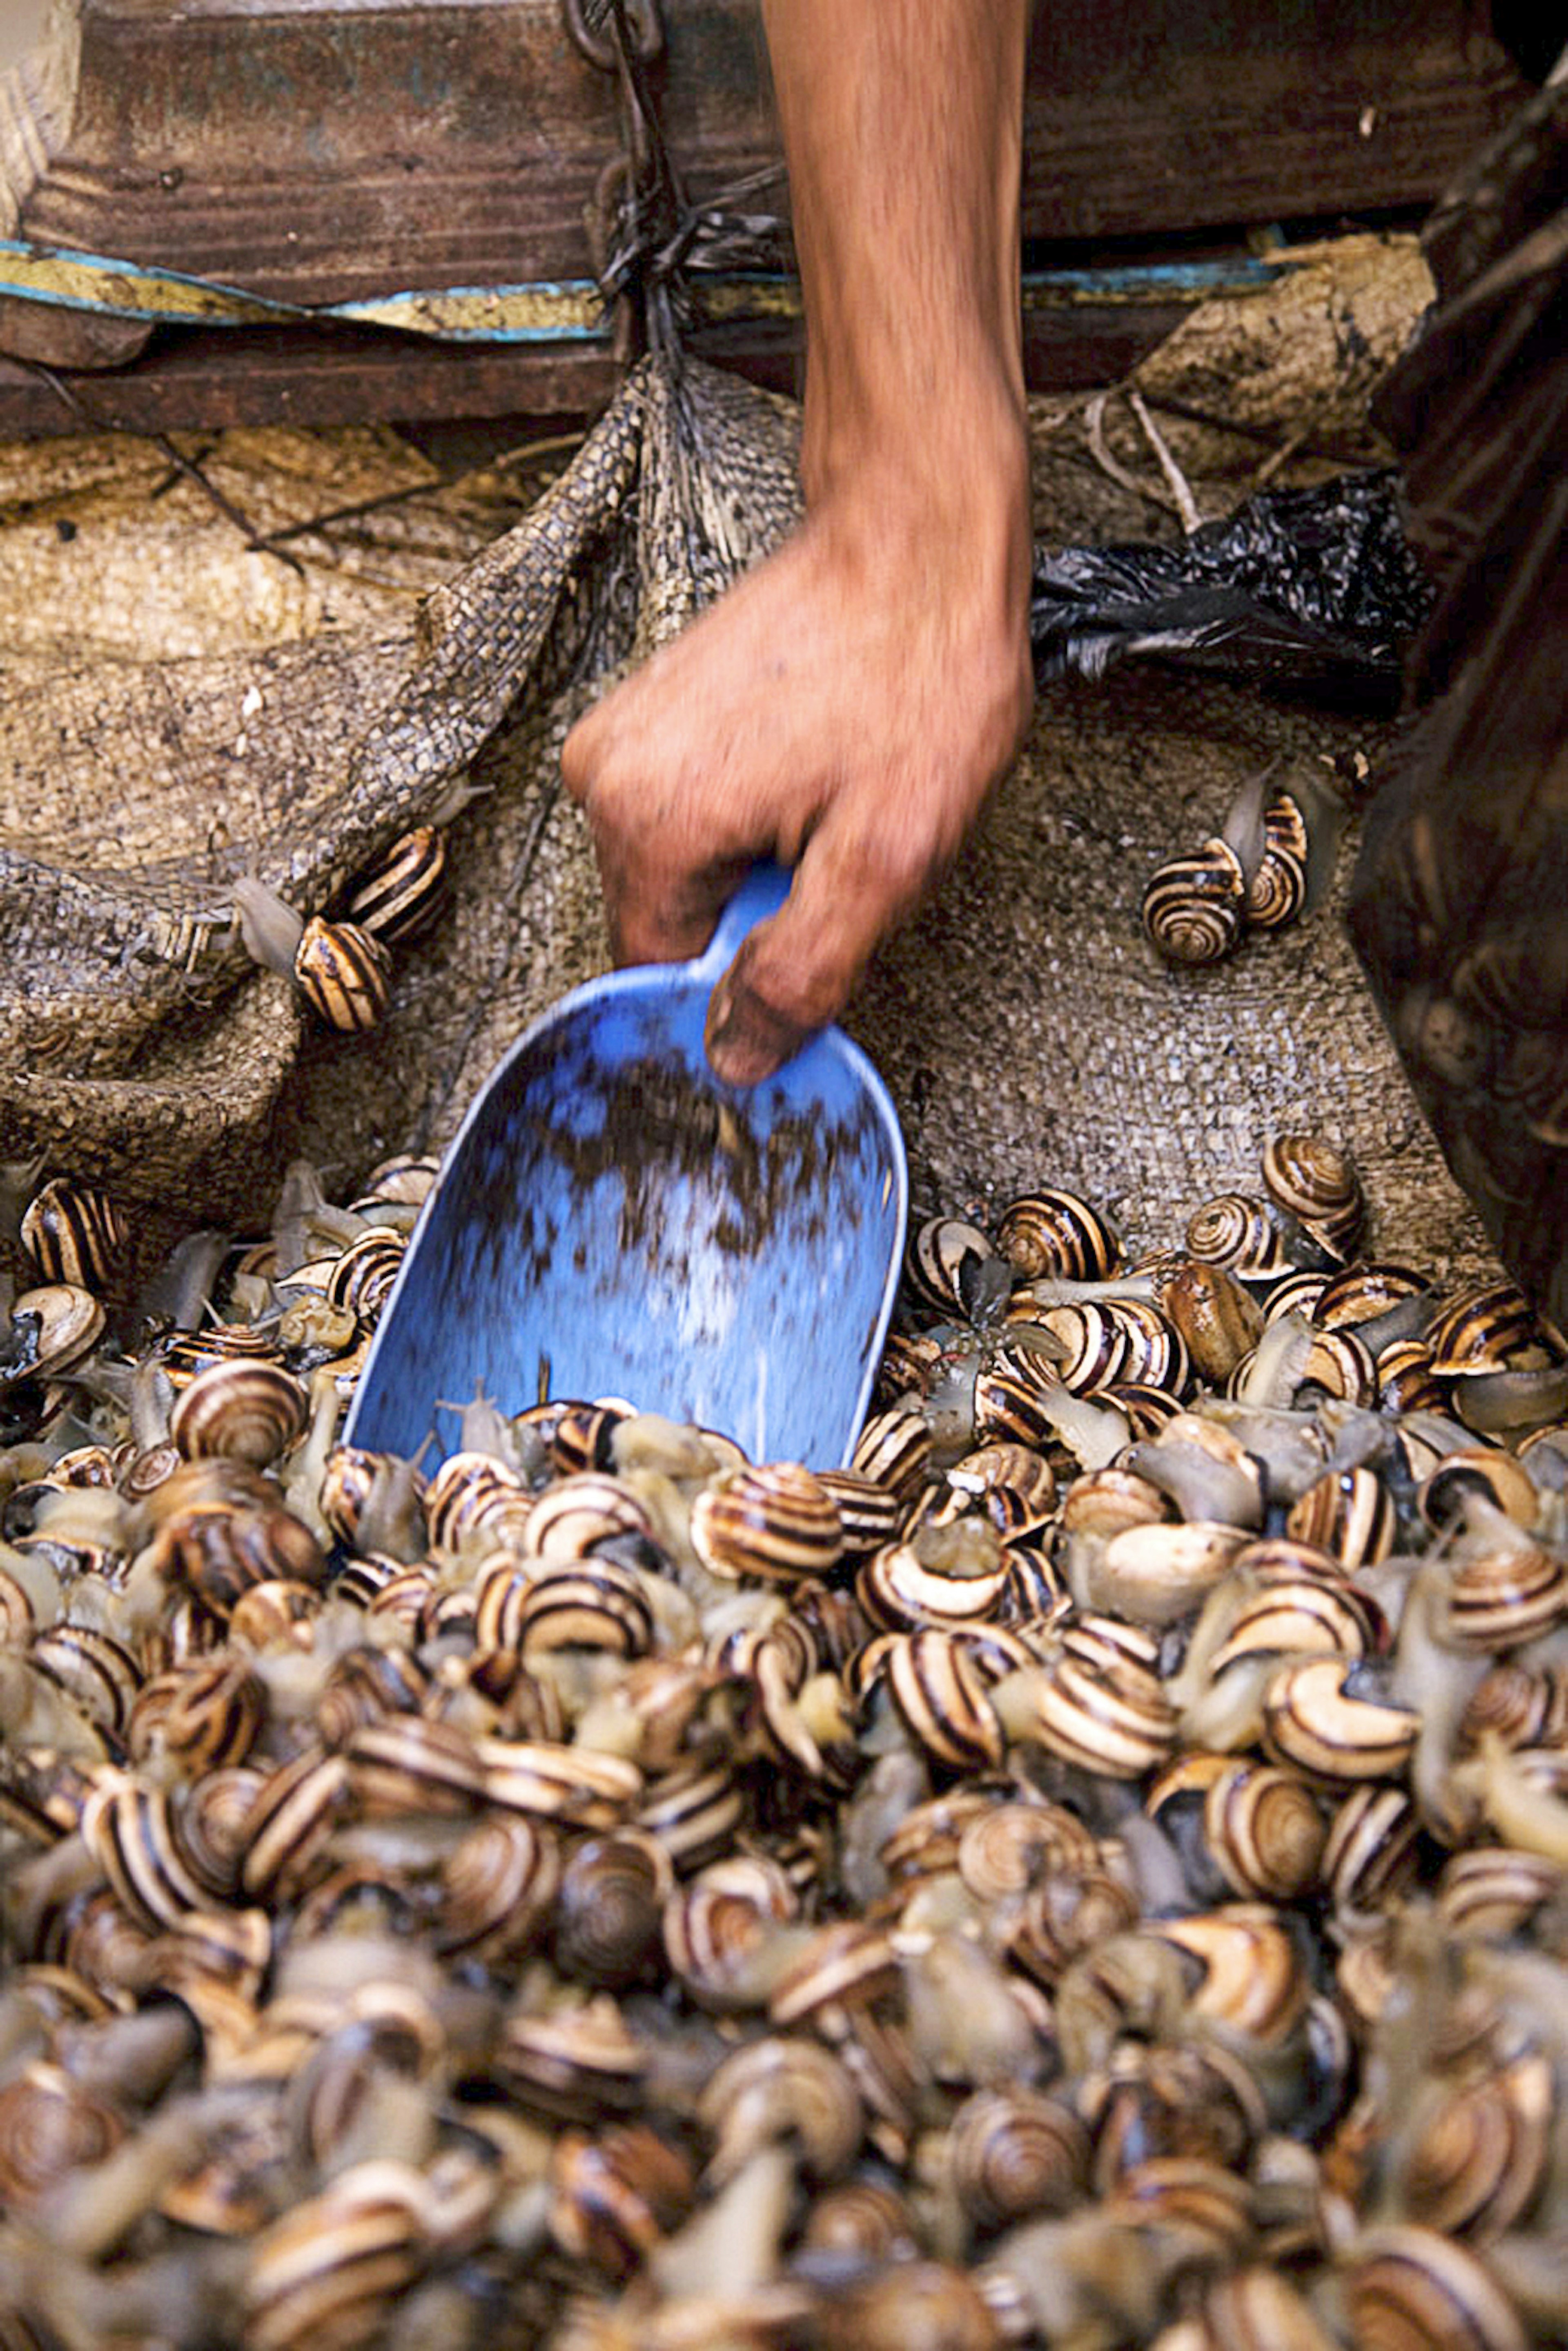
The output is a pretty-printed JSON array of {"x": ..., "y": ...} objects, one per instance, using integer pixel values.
[{"x": 848, "y": 705}]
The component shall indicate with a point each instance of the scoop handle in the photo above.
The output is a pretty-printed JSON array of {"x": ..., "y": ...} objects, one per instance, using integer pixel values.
[{"x": 761, "y": 893}]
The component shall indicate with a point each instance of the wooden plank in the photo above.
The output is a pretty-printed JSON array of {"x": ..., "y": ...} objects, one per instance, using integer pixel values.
[{"x": 321, "y": 149}]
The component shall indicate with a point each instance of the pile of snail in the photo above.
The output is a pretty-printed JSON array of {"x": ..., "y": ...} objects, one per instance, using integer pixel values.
[
  {"x": 1268, "y": 865},
  {"x": 341, "y": 964},
  {"x": 1091, "y": 1873}
]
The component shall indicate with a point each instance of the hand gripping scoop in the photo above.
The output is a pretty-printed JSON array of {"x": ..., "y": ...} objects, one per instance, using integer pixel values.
[{"x": 611, "y": 1219}]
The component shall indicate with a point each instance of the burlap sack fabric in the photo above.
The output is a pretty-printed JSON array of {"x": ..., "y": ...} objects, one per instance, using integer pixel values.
[{"x": 183, "y": 710}]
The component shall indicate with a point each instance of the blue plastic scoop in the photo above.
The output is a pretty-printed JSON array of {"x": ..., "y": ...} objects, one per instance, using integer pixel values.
[{"x": 611, "y": 1219}]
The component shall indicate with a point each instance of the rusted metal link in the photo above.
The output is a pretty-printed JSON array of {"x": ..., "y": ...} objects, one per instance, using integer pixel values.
[{"x": 588, "y": 28}]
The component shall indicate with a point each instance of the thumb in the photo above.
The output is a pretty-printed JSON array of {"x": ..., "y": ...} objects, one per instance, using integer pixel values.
[{"x": 797, "y": 972}]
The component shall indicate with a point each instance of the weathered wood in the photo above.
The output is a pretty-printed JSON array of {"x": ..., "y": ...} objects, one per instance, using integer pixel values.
[{"x": 318, "y": 152}]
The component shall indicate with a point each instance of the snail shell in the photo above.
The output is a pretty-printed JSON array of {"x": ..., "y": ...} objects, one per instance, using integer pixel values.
[
  {"x": 1158, "y": 1575},
  {"x": 1348, "y": 1512},
  {"x": 290, "y": 1823},
  {"x": 573, "y": 2063},
  {"x": 1058, "y": 1235},
  {"x": 693, "y": 1810},
  {"x": 239, "y": 1412},
  {"x": 206, "y": 1714},
  {"x": 719, "y": 1927},
  {"x": 1480, "y": 2158},
  {"x": 333, "y": 2269},
  {"x": 953, "y": 1265},
  {"x": 549, "y": 1782},
  {"x": 1488, "y": 1476},
  {"x": 779, "y": 2087},
  {"x": 1006, "y": 1848},
  {"x": 900, "y": 1593},
  {"x": 1107, "y": 1501},
  {"x": 97, "y": 1673},
  {"x": 130, "y": 1832},
  {"x": 1491, "y": 1892},
  {"x": 49, "y": 2127},
  {"x": 405, "y": 1764},
  {"x": 397, "y": 896},
  {"x": 851, "y": 1962},
  {"x": 498, "y": 1886},
  {"x": 1316, "y": 1184},
  {"x": 1013, "y": 2152},
  {"x": 869, "y": 1514},
  {"x": 1314, "y": 1719},
  {"x": 595, "y": 1605},
  {"x": 1266, "y": 1830},
  {"x": 1410, "y": 2286},
  {"x": 894, "y": 1449},
  {"x": 1254, "y": 2310},
  {"x": 775, "y": 1522},
  {"x": 363, "y": 1273},
  {"x": 1214, "y": 1317},
  {"x": 1106, "y": 1714},
  {"x": 343, "y": 973},
  {"x": 1370, "y": 1853},
  {"x": 1250, "y": 1974},
  {"x": 939, "y": 1690},
  {"x": 1481, "y": 1329},
  {"x": 1523, "y": 1706},
  {"x": 75, "y": 1234},
  {"x": 609, "y": 1908},
  {"x": 53, "y": 1329},
  {"x": 1195, "y": 908},
  {"x": 1239, "y": 1234},
  {"x": 616, "y": 2198},
  {"x": 1278, "y": 892},
  {"x": 1505, "y": 1595},
  {"x": 473, "y": 1493}
]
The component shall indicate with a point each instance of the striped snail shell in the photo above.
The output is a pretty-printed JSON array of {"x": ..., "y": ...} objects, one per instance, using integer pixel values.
[
  {"x": 1105, "y": 1501},
  {"x": 1521, "y": 1705},
  {"x": 1250, "y": 1975},
  {"x": 1195, "y": 908},
  {"x": 1406, "y": 1381},
  {"x": 594, "y": 1605},
  {"x": 473, "y": 1494},
  {"x": 572, "y": 2064},
  {"x": 343, "y": 973},
  {"x": 866, "y": 2220},
  {"x": 1409, "y": 2286},
  {"x": 552, "y": 1782},
  {"x": 1315, "y": 1718},
  {"x": 1316, "y": 1184},
  {"x": 1012, "y": 2152},
  {"x": 1204, "y": 2201},
  {"x": 403, "y": 1181},
  {"x": 405, "y": 1764},
  {"x": 206, "y": 1715},
  {"x": 239, "y": 1412},
  {"x": 609, "y": 1908},
  {"x": 775, "y": 1522},
  {"x": 616, "y": 2198},
  {"x": 577, "y": 1512},
  {"x": 1491, "y": 1892},
  {"x": 1011, "y": 1403},
  {"x": 1370, "y": 1852},
  {"x": 183, "y": 1354},
  {"x": 869, "y": 1514},
  {"x": 1348, "y": 1512},
  {"x": 900, "y": 1592},
  {"x": 1006, "y": 1847},
  {"x": 398, "y": 894},
  {"x": 1252, "y": 2310},
  {"x": 693, "y": 1810},
  {"x": 1092, "y": 1345},
  {"x": 953, "y": 1265},
  {"x": 721, "y": 1927},
  {"x": 1109, "y": 1716},
  {"x": 1058, "y": 1235},
  {"x": 220, "y": 1549},
  {"x": 50, "y": 2126},
  {"x": 1239, "y": 1234},
  {"x": 130, "y": 1831},
  {"x": 939, "y": 1692},
  {"x": 1481, "y": 1329},
  {"x": 289, "y": 1823},
  {"x": 1365, "y": 1293},
  {"x": 1341, "y": 1363},
  {"x": 1480, "y": 1473},
  {"x": 498, "y": 1888},
  {"x": 1277, "y": 893},
  {"x": 851, "y": 1962},
  {"x": 332, "y": 2270},
  {"x": 1266, "y": 1830},
  {"x": 53, "y": 1329},
  {"x": 905, "y": 2303},
  {"x": 1157, "y": 1575},
  {"x": 1480, "y": 2157},
  {"x": 98, "y": 1673},
  {"x": 894, "y": 1449},
  {"x": 75, "y": 1233},
  {"x": 782, "y": 2088},
  {"x": 362, "y": 1276},
  {"x": 1504, "y": 1596}
]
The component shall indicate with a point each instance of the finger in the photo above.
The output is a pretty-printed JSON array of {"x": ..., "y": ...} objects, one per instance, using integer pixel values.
[{"x": 797, "y": 972}]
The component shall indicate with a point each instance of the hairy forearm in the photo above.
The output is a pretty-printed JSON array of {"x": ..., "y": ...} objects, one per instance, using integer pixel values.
[{"x": 902, "y": 122}]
